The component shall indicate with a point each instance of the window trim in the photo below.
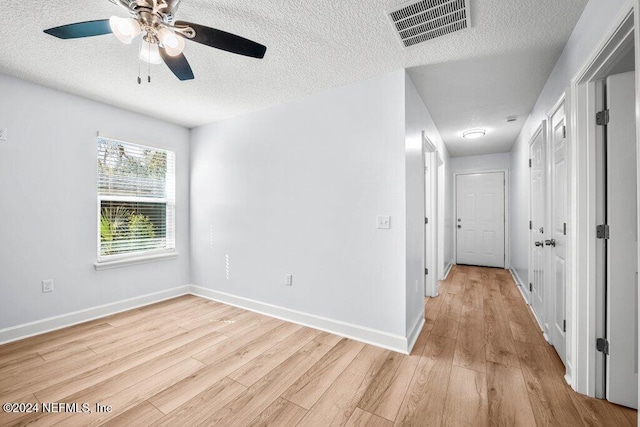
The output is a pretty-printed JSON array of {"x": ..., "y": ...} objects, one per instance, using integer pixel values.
[
  {"x": 141, "y": 257},
  {"x": 163, "y": 255}
]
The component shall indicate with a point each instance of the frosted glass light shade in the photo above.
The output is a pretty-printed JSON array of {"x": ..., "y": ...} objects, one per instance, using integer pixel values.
[
  {"x": 474, "y": 134},
  {"x": 149, "y": 53},
  {"x": 173, "y": 44},
  {"x": 125, "y": 29}
]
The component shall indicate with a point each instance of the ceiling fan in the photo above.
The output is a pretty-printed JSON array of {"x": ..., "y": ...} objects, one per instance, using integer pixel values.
[{"x": 163, "y": 38}]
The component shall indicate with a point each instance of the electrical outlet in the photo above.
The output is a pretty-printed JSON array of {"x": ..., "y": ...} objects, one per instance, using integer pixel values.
[
  {"x": 3, "y": 134},
  {"x": 288, "y": 279},
  {"x": 384, "y": 222},
  {"x": 47, "y": 286}
]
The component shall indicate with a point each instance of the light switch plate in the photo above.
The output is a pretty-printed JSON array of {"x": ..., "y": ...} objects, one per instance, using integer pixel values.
[
  {"x": 384, "y": 222},
  {"x": 3, "y": 134}
]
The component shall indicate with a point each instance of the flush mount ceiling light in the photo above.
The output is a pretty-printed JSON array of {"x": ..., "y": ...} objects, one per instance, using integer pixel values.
[
  {"x": 163, "y": 37},
  {"x": 474, "y": 134}
]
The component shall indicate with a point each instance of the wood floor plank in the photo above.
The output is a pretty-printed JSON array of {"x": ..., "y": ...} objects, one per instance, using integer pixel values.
[
  {"x": 119, "y": 399},
  {"x": 196, "y": 410},
  {"x": 362, "y": 418},
  {"x": 218, "y": 314},
  {"x": 328, "y": 339},
  {"x": 257, "y": 368},
  {"x": 144, "y": 366},
  {"x": 230, "y": 359},
  {"x": 428, "y": 388},
  {"x": 341, "y": 399},
  {"x": 456, "y": 285},
  {"x": 21, "y": 383},
  {"x": 467, "y": 402},
  {"x": 384, "y": 395},
  {"x": 509, "y": 403},
  {"x": 60, "y": 390},
  {"x": 599, "y": 412},
  {"x": 472, "y": 296},
  {"x": 12, "y": 418},
  {"x": 470, "y": 345},
  {"x": 306, "y": 391},
  {"x": 499, "y": 344},
  {"x": 508, "y": 288},
  {"x": 280, "y": 413},
  {"x": 57, "y": 338},
  {"x": 521, "y": 323},
  {"x": 214, "y": 354},
  {"x": 448, "y": 320},
  {"x": 432, "y": 311},
  {"x": 134, "y": 339},
  {"x": 259, "y": 396},
  {"x": 28, "y": 361},
  {"x": 549, "y": 397},
  {"x": 142, "y": 415}
]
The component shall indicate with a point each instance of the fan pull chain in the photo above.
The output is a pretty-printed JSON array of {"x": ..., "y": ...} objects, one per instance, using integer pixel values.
[{"x": 149, "y": 66}]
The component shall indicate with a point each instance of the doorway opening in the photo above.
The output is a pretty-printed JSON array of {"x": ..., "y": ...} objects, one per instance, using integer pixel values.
[{"x": 432, "y": 164}]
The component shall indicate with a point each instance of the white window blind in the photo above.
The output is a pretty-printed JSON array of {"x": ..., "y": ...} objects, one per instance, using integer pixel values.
[{"x": 136, "y": 199}]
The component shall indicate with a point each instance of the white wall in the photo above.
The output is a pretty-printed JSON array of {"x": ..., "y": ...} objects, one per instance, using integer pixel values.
[
  {"x": 48, "y": 179},
  {"x": 417, "y": 119},
  {"x": 595, "y": 20},
  {"x": 481, "y": 163},
  {"x": 296, "y": 189}
]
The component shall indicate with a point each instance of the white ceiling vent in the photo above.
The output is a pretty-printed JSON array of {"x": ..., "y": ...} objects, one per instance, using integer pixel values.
[{"x": 418, "y": 21}]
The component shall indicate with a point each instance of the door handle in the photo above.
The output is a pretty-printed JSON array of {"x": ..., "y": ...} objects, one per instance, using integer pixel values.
[
  {"x": 539, "y": 244},
  {"x": 459, "y": 226},
  {"x": 551, "y": 242}
]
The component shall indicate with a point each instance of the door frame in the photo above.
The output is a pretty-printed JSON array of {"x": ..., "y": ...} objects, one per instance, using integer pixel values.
[
  {"x": 540, "y": 131},
  {"x": 433, "y": 161},
  {"x": 507, "y": 239},
  {"x": 582, "y": 278}
]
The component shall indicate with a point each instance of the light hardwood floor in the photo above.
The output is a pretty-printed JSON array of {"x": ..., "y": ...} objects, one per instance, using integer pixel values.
[{"x": 480, "y": 360}]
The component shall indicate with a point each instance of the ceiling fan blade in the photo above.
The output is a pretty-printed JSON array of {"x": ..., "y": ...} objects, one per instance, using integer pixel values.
[
  {"x": 225, "y": 41},
  {"x": 178, "y": 65},
  {"x": 81, "y": 29}
]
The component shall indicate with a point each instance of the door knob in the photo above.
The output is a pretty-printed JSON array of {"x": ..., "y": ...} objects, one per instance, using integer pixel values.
[
  {"x": 539, "y": 244},
  {"x": 459, "y": 226},
  {"x": 551, "y": 242}
]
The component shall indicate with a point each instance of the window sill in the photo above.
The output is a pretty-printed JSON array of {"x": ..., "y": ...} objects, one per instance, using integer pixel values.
[{"x": 105, "y": 265}]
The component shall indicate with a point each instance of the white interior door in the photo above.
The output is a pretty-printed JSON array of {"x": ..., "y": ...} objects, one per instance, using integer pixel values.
[
  {"x": 556, "y": 242},
  {"x": 480, "y": 219},
  {"x": 622, "y": 246},
  {"x": 538, "y": 196}
]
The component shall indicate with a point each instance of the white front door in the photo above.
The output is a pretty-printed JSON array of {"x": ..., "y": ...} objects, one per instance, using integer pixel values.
[
  {"x": 538, "y": 196},
  {"x": 622, "y": 245},
  {"x": 556, "y": 242},
  {"x": 480, "y": 219}
]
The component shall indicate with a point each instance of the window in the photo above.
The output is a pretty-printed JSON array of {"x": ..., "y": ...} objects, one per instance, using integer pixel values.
[{"x": 136, "y": 200}]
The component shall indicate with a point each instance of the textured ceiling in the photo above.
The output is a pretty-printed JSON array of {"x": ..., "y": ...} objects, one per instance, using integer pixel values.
[{"x": 312, "y": 46}]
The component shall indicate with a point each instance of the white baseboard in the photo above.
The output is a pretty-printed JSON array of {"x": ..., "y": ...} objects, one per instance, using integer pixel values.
[
  {"x": 375, "y": 337},
  {"x": 359, "y": 333},
  {"x": 516, "y": 278},
  {"x": 521, "y": 287},
  {"x": 38, "y": 327},
  {"x": 447, "y": 269},
  {"x": 415, "y": 332}
]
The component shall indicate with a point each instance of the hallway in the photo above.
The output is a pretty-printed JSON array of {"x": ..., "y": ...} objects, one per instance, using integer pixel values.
[{"x": 482, "y": 332}]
